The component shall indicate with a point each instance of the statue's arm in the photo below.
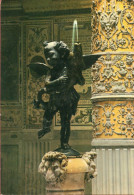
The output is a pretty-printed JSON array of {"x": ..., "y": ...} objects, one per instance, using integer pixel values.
[
  {"x": 51, "y": 85},
  {"x": 56, "y": 82}
]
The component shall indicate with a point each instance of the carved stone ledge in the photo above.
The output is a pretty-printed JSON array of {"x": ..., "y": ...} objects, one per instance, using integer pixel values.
[
  {"x": 114, "y": 53},
  {"x": 113, "y": 143},
  {"x": 112, "y": 97}
]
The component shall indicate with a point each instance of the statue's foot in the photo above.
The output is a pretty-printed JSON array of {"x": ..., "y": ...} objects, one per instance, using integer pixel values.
[
  {"x": 68, "y": 151},
  {"x": 65, "y": 146},
  {"x": 42, "y": 132}
]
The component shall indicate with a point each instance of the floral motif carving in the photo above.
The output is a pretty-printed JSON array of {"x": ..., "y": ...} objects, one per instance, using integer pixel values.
[
  {"x": 127, "y": 21},
  {"x": 97, "y": 43},
  {"x": 129, "y": 59},
  {"x": 122, "y": 41},
  {"x": 113, "y": 74},
  {"x": 112, "y": 26},
  {"x": 109, "y": 24},
  {"x": 118, "y": 87},
  {"x": 114, "y": 119},
  {"x": 126, "y": 120}
]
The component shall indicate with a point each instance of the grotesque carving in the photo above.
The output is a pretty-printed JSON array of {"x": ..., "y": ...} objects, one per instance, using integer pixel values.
[
  {"x": 112, "y": 26},
  {"x": 109, "y": 24},
  {"x": 92, "y": 171},
  {"x": 53, "y": 167}
]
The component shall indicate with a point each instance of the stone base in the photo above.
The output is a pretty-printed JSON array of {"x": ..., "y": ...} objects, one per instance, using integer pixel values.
[
  {"x": 65, "y": 193},
  {"x": 69, "y": 152},
  {"x": 115, "y": 166},
  {"x": 67, "y": 175},
  {"x": 74, "y": 183}
]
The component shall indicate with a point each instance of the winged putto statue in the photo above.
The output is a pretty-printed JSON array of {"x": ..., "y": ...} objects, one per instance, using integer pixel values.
[{"x": 63, "y": 70}]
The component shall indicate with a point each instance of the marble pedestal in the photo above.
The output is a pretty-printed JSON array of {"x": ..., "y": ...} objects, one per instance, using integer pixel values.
[
  {"x": 67, "y": 175},
  {"x": 74, "y": 183}
]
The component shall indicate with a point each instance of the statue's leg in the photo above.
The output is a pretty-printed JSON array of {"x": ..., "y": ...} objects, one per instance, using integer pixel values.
[
  {"x": 47, "y": 121},
  {"x": 65, "y": 128},
  {"x": 68, "y": 130},
  {"x": 62, "y": 132},
  {"x": 67, "y": 135}
]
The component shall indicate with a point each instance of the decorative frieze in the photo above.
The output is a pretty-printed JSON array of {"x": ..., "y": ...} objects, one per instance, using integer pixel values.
[
  {"x": 113, "y": 119},
  {"x": 112, "y": 26},
  {"x": 113, "y": 74}
]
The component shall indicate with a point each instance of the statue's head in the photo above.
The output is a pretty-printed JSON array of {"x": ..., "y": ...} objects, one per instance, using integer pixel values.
[
  {"x": 53, "y": 167},
  {"x": 55, "y": 52}
]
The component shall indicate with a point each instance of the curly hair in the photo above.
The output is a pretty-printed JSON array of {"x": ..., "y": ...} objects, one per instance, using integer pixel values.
[
  {"x": 47, "y": 161},
  {"x": 61, "y": 47}
]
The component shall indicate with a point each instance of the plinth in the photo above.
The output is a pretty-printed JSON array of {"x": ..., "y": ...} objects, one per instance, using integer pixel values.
[
  {"x": 74, "y": 182},
  {"x": 67, "y": 175}
]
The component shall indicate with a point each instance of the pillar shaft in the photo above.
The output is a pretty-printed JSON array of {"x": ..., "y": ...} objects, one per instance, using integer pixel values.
[
  {"x": 113, "y": 74},
  {"x": 113, "y": 94}
]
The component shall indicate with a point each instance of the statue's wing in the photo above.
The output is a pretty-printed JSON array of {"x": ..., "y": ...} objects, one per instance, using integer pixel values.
[
  {"x": 89, "y": 60},
  {"x": 38, "y": 69}
]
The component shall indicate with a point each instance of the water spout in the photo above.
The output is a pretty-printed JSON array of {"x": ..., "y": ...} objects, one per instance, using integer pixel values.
[{"x": 75, "y": 33}]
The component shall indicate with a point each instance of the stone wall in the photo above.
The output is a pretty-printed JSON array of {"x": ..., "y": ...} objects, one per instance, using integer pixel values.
[{"x": 24, "y": 27}]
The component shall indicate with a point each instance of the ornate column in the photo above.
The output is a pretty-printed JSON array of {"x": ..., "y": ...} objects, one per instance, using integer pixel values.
[{"x": 113, "y": 95}]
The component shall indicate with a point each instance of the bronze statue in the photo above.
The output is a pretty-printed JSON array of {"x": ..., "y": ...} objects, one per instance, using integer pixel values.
[{"x": 63, "y": 70}]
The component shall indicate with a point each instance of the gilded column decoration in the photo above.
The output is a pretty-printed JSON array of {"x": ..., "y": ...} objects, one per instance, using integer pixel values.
[
  {"x": 113, "y": 119},
  {"x": 113, "y": 73},
  {"x": 112, "y": 26}
]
